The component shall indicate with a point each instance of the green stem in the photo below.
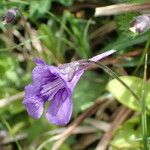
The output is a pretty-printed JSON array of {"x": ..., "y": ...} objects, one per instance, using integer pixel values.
[
  {"x": 64, "y": 26},
  {"x": 143, "y": 102},
  {"x": 11, "y": 133},
  {"x": 59, "y": 41},
  {"x": 113, "y": 75},
  {"x": 143, "y": 55},
  {"x": 143, "y": 108}
]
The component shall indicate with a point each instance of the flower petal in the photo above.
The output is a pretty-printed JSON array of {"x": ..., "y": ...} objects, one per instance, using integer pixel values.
[
  {"x": 39, "y": 61},
  {"x": 32, "y": 102},
  {"x": 103, "y": 55},
  {"x": 42, "y": 74},
  {"x": 60, "y": 109},
  {"x": 51, "y": 88},
  {"x": 76, "y": 78}
]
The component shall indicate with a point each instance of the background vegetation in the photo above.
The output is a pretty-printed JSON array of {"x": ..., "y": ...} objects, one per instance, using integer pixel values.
[{"x": 60, "y": 31}]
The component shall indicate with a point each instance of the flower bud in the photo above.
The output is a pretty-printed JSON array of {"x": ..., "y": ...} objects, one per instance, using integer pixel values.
[
  {"x": 140, "y": 24},
  {"x": 10, "y": 16}
]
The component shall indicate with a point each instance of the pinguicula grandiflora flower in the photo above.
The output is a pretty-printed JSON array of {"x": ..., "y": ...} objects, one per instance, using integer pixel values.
[
  {"x": 140, "y": 24},
  {"x": 55, "y": 85}
]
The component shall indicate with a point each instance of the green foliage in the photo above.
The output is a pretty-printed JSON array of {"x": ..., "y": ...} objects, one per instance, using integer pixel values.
[
  {"x": 39, "y": 8},
  {"x": 126, "y": 135},
  {"x": 65, "y": 2},
  {"x": 59, "y": 41},
  {"x": 8, "y": 69},
  {"x": 124, "y": 96},
  {"x": 84, "y": 96},
  {"x": 49, "y": 31},
  {"x": 124, "y": 21},
  {"x": 9, "y": 74},
  {"x": 79, "y": 29},
  {"x": 58, "y": 35},
  {"x": 119, "y": 45},
  {"x": 135, "y": 1}
]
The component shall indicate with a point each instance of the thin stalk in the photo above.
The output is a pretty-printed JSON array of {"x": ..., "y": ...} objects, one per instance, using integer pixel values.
[
  {"x": 11, "y": 133},
  {"x": 64, "y": 26},
  {"x": 113, "y": 75},
  {"x": 143, "y": 102},
  {"x": 59, "y": 41},
  {"x": 143, "y": 54},
  {"x": 143, "y": 109},
  {"x": 23, "y": 43}
]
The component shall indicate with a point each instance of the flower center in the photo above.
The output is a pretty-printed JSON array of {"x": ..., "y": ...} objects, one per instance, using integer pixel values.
[
  {"x": 52, "y": 87},
  {"x": 69, "y": 69}
]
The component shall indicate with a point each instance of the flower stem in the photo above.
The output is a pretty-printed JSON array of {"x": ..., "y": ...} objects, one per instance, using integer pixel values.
[
  {"x": 113, "y": 75},
  {"x": 12, "y": 134}
]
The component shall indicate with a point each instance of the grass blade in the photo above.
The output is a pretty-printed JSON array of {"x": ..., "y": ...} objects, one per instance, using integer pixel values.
[{"x": 143, "y": 109}]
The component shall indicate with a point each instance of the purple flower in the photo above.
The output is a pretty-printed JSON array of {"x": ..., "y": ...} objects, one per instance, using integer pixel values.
[
  {"x": 55, "y": 85},
  {"x": 10, "y": 15},
  {"x": 140, "y": 24}
]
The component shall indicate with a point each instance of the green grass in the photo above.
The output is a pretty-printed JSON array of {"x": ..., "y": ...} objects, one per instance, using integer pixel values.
[{"x": 143, "y": 109}]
